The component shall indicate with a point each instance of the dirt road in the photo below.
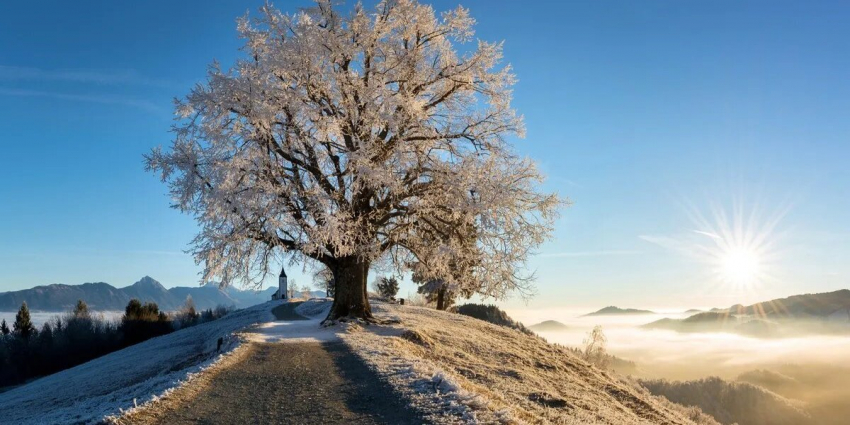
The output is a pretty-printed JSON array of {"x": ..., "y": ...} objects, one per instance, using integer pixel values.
[{"x": 287, "y": 383}]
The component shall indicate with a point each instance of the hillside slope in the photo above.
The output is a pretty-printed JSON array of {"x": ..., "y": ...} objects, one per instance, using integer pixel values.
[
  {"x": 731, "y": 402},
  {"x": 804, "y": 306},
  {"x": 497, "y": 374},
  {"x": 452, "y": 368},
  {"x": 136, "y": 374}
]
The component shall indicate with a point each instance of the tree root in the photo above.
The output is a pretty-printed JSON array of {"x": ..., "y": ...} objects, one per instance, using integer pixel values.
[{"x": 358, "y": 320}]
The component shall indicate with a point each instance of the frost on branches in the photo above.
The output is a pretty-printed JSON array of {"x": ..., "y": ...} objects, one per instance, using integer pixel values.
[{"x": 355, "y": 139}]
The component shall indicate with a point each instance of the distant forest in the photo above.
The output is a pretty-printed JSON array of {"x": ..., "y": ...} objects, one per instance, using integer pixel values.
[{"x": 79, "y": 336}]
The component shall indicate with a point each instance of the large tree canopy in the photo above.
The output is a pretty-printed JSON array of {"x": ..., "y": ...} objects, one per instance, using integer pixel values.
[{"x": 356, "y": 138}]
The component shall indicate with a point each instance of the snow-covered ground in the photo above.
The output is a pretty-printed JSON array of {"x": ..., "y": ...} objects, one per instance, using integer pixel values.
[
  {"x": 453, "y": 368},
  {"x": 129, "y": 377},
  {"x": 297, "y": 330}
]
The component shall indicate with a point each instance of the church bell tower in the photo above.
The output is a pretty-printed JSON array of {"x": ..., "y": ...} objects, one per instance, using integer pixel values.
[{"x": 283, "y": 290}]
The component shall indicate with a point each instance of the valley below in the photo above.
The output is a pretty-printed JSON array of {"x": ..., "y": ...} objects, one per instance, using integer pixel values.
[{"x": 807, "y": 369}]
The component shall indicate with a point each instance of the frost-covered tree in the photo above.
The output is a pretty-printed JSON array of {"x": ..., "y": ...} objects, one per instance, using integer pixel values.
[
  {"x": 189, "y": 312},
  {"x": 595, "y": 347},
  {"x": 323, "y": 280},
  {"x": 387, "y": 287},
  {"x": 438, "y": 292},
  {"x": 355, "y": 138}
]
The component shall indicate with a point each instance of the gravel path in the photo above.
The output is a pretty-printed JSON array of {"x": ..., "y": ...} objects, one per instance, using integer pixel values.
[{"x": 289, "y": 383}]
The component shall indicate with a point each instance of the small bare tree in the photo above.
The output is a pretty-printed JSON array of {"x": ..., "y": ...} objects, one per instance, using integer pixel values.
[
  {"x": 595, "y": 348},
  {"x": 305, "y": 292},
  {"x": 291, "y": 289},
  {"x": 323, "y": 280}
]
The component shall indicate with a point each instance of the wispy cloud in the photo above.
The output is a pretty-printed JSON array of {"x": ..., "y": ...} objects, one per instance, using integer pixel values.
[
  {"x": 709, "y": 234},
  {"x": 90, "y": 76},
  {"x": 601, "y": 253},
  {"x": 93, "y": 98}
]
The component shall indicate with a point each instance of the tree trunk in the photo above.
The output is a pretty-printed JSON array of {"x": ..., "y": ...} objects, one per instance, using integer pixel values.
[
  {"x": 441, "y": 298},
  {"x": 350, "y": 298}
]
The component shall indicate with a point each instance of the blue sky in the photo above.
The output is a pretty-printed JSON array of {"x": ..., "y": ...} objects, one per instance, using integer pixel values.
[{"x": 640, "y": 112}]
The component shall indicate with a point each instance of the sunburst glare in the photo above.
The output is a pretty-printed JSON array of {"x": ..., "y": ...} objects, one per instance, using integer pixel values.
[
  {"x": 740, "y": 246},
  {"x": 737, "y": 246}
]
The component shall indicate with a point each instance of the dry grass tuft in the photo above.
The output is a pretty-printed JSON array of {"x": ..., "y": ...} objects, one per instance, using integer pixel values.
[{"x": 418, "y": 338}]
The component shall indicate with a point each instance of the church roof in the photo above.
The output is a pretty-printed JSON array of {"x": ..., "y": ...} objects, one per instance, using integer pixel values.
[{"x": 282, "y": 272}]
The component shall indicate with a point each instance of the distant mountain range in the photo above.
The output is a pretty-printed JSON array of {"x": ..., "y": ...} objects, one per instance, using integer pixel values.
[
  {"x": 612, "y": 311},
  {"x": 103, "y": 296},
  {"x": 827, "y": 312},
  {"x": 806, "y": 306}
]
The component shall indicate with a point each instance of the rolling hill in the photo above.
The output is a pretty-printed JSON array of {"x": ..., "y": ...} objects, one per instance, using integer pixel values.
[
  {"x": 613, "y": 311},
  {"x": 805, "y": 306},
  {"x": 549, "y": 326},
  {"x": 824, "y": 313}
]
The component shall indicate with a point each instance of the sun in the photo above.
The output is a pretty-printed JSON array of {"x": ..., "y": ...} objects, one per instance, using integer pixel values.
[
  {"x": 741, "y": 248},
  {"x": 736, "y": 250},
  {"x": 740, "y": 265}
]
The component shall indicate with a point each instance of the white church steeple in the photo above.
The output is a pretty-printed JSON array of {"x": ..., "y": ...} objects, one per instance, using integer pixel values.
[
  {"x": 282, "y": 292},
  {"x": 283, "y": 289}
]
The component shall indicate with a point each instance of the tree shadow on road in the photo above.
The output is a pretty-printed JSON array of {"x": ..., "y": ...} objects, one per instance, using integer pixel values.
[
  {"x": 286, "y": 311},
  {"x": 366, "y": 393}
]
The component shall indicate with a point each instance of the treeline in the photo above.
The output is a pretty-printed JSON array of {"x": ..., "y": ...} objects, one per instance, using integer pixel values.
[
  {"x": 79, "y": 336},
  {"x": 731, "y": 402}
]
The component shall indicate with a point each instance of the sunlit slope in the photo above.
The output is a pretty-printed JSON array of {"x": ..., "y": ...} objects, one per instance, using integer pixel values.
[{"x": 502, "y": 374}]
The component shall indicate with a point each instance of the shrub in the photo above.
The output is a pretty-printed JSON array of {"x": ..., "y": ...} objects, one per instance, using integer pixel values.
[{"x": 492, "y": 314}]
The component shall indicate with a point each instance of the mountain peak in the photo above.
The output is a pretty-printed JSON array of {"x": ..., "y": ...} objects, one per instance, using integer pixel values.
[{"x": 148, "y": 282}]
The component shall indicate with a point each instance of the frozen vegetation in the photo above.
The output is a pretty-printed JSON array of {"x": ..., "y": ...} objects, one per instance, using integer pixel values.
[
  {"x": 453, "y": 368},
  {"x": 466, "y": 370},
  {"x": 125, "y": 378}
]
